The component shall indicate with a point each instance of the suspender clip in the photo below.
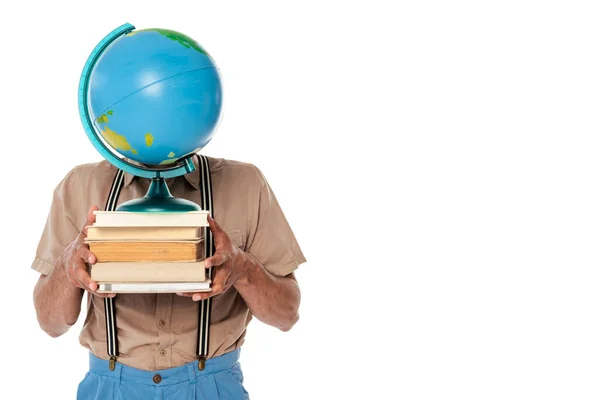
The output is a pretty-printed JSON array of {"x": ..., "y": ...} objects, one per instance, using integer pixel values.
[
  {"x": 111, "y": 363},
  {"x": 201, "y": 363}
]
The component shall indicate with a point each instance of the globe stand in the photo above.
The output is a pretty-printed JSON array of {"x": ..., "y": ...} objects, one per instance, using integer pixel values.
[{"x": 158, "y": 199}]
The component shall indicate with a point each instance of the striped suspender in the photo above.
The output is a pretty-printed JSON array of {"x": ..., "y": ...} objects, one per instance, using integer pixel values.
[
  {"x": 112, "y": 344},
  {"x": 204, "y": 307}
]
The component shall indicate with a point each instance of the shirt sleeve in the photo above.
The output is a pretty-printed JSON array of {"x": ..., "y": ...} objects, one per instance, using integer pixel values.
[
  {"x": 271, "y": 240},
  {"x": 59, "y": 230}
]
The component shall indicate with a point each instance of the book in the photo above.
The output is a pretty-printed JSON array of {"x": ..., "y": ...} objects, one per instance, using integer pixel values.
[
  {"x": 147, "y": 251},
  {"x": 144, "y": 233},
  {"x": 128, "y": 218},
  {"x": 148, "y": 272},
  {"x": 166, "y": 287}
]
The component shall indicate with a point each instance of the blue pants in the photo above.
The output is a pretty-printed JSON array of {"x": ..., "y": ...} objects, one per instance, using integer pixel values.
[{"x": 221, "y": 379}]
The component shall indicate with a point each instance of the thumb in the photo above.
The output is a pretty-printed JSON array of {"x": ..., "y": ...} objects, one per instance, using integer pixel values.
[{"x": 214, "y": 227}]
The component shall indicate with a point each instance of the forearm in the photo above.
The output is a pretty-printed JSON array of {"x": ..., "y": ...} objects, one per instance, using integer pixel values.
[
  {"x": 272, "y": 299},
  {"x": 57, "y": 302}
]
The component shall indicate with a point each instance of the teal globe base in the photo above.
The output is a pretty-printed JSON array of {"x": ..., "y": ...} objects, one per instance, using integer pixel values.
[{"x": 158, "y": 199}]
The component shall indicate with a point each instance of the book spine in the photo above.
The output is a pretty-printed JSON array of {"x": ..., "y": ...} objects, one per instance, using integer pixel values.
[
  {"x": 116, "y": 219},
  {"x": 148, "y": 272},
  {"x": 146, "y": 251}
]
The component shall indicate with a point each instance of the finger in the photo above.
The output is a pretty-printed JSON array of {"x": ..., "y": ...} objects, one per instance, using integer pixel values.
[
  {"x": 71, "y": 270},
  {"x": 188, "y": 294},
  {"x": 93, "y": 289},
  {"x": 219, "y": 258},
  {"x": 217, "y": 287},
  {"x": 218, "y": 233},
  {"x": 78, "y": 284},
  {"x": 85, "y": 254},
  {"x": 214, "y": 226},
  {"x": 185, "y": 294},
  {"x": 204, "y": 295},
  {"x": 81, "y": 275},
  {"x": 219, "y": 281},
  {"x": 91, "y": 218}
]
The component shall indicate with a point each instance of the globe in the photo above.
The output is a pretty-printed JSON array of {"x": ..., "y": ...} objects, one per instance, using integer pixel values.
[
  {"x": 150, "y": 99},
  {"x": 155, "y": 96}
]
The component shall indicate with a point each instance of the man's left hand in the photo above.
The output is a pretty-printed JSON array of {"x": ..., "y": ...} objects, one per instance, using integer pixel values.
[{"x": 228, "y": 261}]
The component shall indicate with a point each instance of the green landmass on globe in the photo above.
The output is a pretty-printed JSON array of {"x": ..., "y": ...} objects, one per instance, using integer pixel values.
[{"x": 179, "y": 37}]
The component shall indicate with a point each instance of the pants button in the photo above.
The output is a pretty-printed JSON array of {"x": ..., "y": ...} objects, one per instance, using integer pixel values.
[{"x": 157, "y": 378}]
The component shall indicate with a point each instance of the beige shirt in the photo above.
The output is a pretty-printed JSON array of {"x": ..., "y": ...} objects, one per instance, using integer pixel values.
[{"x": 158, "y": 331}]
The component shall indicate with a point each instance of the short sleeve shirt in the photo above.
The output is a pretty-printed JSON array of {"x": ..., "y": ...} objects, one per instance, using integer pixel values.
[{"x": 158, "y": 331}]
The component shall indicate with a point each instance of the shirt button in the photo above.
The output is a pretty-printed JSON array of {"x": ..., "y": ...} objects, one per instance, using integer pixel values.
[
  {"x": 162, "y": 322},
  {"x": 156, "y": 378},
  {"x": 163, "y": 353}
]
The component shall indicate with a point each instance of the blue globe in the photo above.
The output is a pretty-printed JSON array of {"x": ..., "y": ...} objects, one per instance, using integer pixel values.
[{"x": 155, "y": 96}]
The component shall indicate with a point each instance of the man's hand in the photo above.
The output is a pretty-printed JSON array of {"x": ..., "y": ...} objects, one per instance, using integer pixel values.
[
  {"x": 272, "y": 299},
  {"x": 76, "y": 254},
  {"x": 228, "y": 260}
]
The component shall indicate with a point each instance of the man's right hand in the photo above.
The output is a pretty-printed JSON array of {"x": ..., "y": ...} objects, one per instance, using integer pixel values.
[{"x": 76, "y": 254}]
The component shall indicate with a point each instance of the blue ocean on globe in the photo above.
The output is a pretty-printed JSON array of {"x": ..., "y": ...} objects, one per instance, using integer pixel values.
[{"x": 155, "y": 96}]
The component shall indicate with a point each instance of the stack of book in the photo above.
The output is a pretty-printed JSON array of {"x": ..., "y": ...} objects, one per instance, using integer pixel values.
[{"x": 149, "y": 252}]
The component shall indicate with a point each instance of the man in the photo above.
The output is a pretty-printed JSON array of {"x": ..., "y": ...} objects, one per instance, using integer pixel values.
[{"x": 255, "y": 256}]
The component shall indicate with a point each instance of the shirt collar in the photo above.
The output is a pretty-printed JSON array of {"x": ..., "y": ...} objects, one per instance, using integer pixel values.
[{"x": 193, "y": 177}]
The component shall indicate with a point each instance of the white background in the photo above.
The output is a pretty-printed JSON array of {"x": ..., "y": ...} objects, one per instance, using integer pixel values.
[{"x": 438, "y": 162}]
